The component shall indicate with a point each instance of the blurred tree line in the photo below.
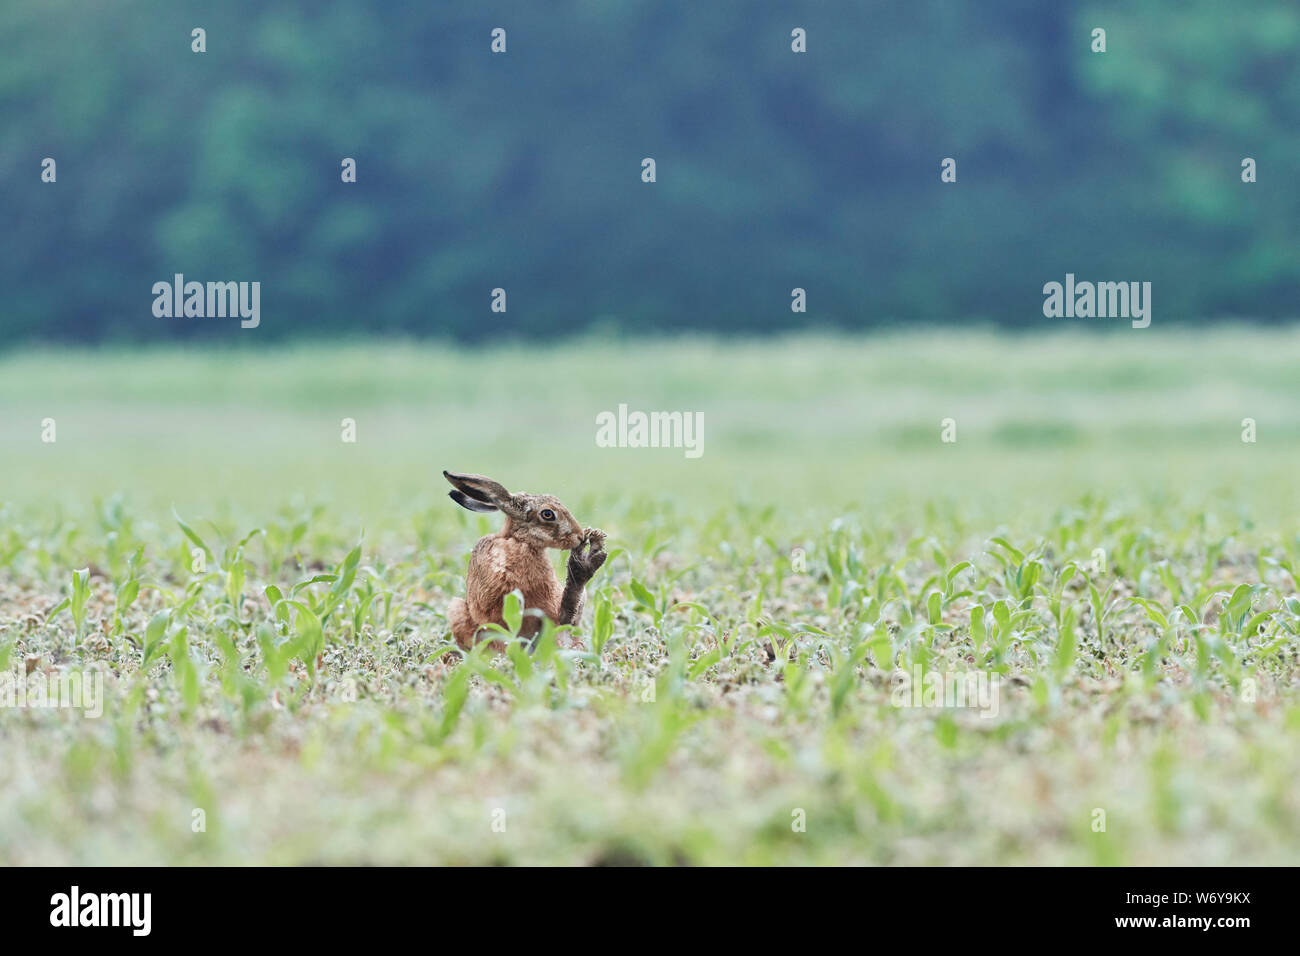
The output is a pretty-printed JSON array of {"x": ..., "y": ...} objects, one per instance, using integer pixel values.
[{"x": 522, "y": 170}]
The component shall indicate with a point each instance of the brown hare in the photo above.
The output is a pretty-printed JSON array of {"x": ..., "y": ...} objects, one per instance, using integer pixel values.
[{"x": 515, "y": 558}]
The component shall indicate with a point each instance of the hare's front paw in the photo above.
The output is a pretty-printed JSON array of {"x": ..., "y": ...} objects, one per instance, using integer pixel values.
[{"x": 585, "y": 560}]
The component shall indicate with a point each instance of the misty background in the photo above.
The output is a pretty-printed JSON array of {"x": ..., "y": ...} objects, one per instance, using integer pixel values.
[{"x": 522, "y": 170}]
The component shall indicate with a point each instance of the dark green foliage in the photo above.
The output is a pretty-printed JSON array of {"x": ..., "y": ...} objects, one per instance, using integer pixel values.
[{"x": 522, "y": 170}]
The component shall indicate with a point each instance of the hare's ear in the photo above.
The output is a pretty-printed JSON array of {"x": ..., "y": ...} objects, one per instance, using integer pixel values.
[
  {"x": 478, "y": 493},
  {"x": 467, "y": 502}
]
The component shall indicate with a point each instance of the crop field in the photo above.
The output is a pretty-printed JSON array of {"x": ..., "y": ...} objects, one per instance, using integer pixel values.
[{"x": 927, "y": 598}]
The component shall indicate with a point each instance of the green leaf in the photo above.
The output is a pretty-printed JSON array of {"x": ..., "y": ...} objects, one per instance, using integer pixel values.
[
  {"x": 512, "y": 611},
  {"x": 882, "y": 650},
  {"x": 703, "y": 663},
  {"x": 952, "y": 574},
  {"x": 154, "y": 632},
  {"x": 934, "y": 607},
  {"x": 310, "y": 639},
  {"x": 603, "y": 626},
  {"x": 127, "y": 594},
  {"x": 1065, "y": 644},
  {"x": 1017, "y": 556},
  {"x": 641, "y": 594},
  {"x": 190, "y": 533}
]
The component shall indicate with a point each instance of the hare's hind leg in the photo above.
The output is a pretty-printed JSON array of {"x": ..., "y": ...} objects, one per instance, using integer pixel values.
[
  {"x": 466, "y": 632},
  {"x": 462, "y": 627}
]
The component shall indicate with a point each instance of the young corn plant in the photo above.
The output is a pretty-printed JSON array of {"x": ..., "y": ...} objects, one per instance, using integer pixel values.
[{"x": 75, "y": 603}]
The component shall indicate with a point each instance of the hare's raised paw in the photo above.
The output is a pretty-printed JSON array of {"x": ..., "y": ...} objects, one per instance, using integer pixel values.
[
  {"x": 586, "y": 559},
  {"x": 594, "y": 539}
]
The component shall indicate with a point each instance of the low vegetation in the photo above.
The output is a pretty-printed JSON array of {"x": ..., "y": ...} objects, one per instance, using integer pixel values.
[{"x": 265, "y": 606}]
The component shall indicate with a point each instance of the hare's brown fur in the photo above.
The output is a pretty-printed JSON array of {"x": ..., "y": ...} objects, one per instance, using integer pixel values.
[{"x": 515, "y": 559}]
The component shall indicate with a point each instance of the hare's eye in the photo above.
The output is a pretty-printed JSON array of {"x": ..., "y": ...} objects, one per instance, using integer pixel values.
[{"x": 548, "y": 514}]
